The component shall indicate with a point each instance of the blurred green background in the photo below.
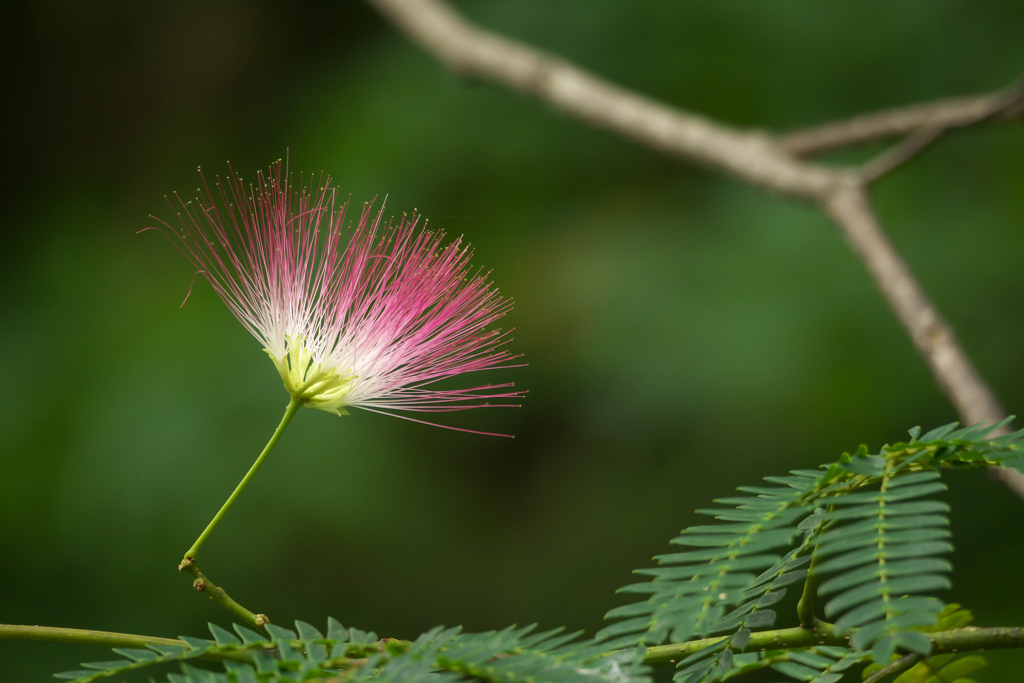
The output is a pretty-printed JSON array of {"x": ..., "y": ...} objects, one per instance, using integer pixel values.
[{"x": 685, "y": 334}]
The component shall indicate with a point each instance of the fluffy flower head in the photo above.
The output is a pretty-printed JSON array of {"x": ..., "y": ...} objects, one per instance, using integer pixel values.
[{"x": 369, "y": 315}]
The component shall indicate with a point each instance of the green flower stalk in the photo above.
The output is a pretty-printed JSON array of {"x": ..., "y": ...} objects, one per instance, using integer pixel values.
[{"x": 367, "y": 317}]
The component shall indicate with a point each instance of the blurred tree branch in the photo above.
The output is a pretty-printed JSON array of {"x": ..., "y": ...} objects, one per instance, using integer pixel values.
[
  {"x": 943, "y": 115},
  {"x": 766, "y": 161}
]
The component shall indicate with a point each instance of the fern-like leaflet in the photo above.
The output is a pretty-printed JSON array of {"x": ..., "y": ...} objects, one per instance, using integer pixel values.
[
  {"x": 351, "y": 655},
  {"x": 716, "y": 660},
  {"x": 245, "y": 655},
  {"x": 872, "y": 528},
  {"x": 712, "y": 590},
  {"x": 690, "y": 596},
  {"x": 886, "y": 552}
]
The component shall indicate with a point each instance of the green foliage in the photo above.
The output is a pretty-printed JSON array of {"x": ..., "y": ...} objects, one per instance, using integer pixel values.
[
  {"x": 864, "y": 533},
  {"x": 690, "y": 596},
  {"x": 352, "y": 655},
  {"x": 947, "y": 668},
  {"x": 866, "y": 520},
  {"x": 884, "y": 550},
  {"x": 273, "y": 659},
  {"x": 815, "y": 664}
]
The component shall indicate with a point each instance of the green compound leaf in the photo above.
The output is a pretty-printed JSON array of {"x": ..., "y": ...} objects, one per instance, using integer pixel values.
[
  {"x": 510, "y": 655},
  {"x": 716, "y": 662},
  {"x": 883, "y": 568},
  {"x": 877, "y": 535},
  {"x": 249, "y": 659},
  {"x": 716, "y": 586},
  {"x": 438, "y": 656}
]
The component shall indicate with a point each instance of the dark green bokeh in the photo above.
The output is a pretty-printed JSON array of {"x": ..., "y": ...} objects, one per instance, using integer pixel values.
[{"x": 685, "y": 334}]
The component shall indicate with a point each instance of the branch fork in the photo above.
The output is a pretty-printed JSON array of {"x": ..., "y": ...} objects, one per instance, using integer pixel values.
[{"x": 775, "y": 163}]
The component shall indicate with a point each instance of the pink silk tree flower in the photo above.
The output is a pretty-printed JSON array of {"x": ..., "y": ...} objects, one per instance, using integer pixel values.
[{"x": 370, "y": 316}]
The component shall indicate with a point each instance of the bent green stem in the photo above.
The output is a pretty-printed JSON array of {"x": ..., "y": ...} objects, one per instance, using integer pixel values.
[
  {"x": 289, "y": 413},
  {"x": 220, "y": 596}
]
